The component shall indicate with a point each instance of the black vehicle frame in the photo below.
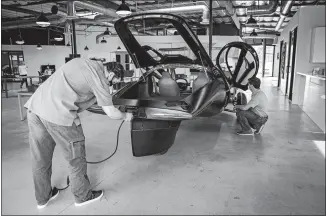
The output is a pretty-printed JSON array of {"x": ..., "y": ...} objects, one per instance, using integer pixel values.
[{"x": 156, "y": 117}]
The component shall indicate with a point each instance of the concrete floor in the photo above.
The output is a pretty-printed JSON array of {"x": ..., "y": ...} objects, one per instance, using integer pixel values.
[{"x": 209, "y": 169}]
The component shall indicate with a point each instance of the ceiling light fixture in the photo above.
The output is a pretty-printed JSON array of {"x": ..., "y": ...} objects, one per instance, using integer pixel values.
[
  {"x": 58, "y": 37},
  {"x": 107, "y": 32},
  {"x": 103, "y": 41},
  {"x": 43, "y": 21},
  {"x": 119, "y": 48},
  {"x": 20, "y": 40},
  {"x": 86, "y": 48},
  {"x": 123, "y": 10},
  {"x": 253, "y": 33},
  {"x": 39, "y": 47},
  {"x": 68, "y": 44},
  {"x": 251, "y": 21},
  {"x": 54, "y": 9}
]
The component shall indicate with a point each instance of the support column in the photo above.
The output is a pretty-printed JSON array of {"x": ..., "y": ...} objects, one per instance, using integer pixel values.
[
  {"x": 74, "y": 38},
  {"x": 210, "y": 27},
  {"x": 264, "y": 56}
]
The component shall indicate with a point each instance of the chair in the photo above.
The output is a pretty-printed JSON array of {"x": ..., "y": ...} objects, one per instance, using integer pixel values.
[{"x": 167, "y": 86}]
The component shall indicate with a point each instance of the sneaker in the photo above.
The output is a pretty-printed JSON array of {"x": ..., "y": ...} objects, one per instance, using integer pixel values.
[
  {"x": 259, "y": 129},
  {"x": 96, "y": 195},
  {"x": 55, "y": 192},
  {"x": 245, "y": 133}
]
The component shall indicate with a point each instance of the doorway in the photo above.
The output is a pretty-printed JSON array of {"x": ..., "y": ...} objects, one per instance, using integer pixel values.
[
  {"x": 266, "y": 67},
  {"x": 291, "y": 63}
]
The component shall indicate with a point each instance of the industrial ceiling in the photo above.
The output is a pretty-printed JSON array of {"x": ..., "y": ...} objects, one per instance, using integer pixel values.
[{"x": 22, "y": 14}]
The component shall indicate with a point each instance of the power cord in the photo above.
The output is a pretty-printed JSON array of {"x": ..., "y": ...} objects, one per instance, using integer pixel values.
[{"x": 101, "y": 161}]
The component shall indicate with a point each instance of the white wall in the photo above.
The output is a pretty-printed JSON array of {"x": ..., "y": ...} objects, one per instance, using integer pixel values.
[
  {"x": 104, "y": 50},
  {"x": 56, "y": 54},
  {"x": 285, "y": 37},
  {"x": 305, "y": 19},
  {"x": 53, "y": 55},
  {"x": 310, "y": 17},
  {"x": 305, "y": 94}
]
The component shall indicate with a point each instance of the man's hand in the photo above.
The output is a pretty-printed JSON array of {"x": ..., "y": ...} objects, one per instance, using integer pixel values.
[
  {"x": 113, "y": 112},
  {"x": 116, "y": 114},
  {"x": 128, "y": 117}
]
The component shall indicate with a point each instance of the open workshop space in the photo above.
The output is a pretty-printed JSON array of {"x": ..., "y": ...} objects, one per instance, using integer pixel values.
[{"x": 169, "y": 107}]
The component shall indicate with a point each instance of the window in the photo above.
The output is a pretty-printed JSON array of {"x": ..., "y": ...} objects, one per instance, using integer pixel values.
[
  {"x": 127, "y": 62},
  {"x": 118, "y": 58},
  {"x": 10, "y": 60}
]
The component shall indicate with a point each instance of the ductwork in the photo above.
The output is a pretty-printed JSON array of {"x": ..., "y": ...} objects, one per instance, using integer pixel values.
[
  {"x": 231, "y": 11},
  {"x": 283, "y": 14},
  {"x": 94, "y": 7},
  {"x": 69, "y": 15},
  {"x": 263, "y": 9},
  {"x": 29, "y": 23},
  {"x": 184, "y": 9}
]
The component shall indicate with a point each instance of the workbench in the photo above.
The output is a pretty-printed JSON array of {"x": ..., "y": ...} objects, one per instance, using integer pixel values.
[{"x": 4, "y": 80}]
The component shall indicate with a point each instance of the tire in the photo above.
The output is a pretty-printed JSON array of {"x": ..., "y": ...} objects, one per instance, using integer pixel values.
[{"x": 241, "y": 99}]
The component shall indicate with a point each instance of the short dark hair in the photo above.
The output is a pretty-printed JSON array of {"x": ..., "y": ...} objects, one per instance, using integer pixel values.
[
  {"x": 255, "y": 82},
  {"x": 116, "y": 68}
]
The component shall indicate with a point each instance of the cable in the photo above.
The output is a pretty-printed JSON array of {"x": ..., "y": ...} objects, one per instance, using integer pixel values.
[
  {"x": 116, "y": 148},
  {"x": 101, "y": 161}
]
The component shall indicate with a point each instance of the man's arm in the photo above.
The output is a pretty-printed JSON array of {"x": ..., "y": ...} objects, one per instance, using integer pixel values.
[
  {"x": 116, "y": 114},
  {"x": 252, "y": 103}
]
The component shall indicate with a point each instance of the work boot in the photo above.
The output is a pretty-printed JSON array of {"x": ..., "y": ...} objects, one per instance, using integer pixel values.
[
  {"x": 54, "y": 194},
  {"x": 259, "y": 129},
  {"x": 96, "y": 195}
]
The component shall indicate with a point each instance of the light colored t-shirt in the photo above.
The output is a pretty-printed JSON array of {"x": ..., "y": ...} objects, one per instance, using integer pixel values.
[
  {"x": 73, "y": 88},
  {"x": 259, "y": 100},
  {"x": 22, "y": 69}
]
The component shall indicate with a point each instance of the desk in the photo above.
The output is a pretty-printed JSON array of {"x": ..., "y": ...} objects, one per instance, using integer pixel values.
[
  {"x": 19, "y": 77},
  {"x": 20, "y": 95}
]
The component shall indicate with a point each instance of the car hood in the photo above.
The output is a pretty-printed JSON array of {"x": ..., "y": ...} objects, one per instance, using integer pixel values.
[{"x": 139, "y": 53}]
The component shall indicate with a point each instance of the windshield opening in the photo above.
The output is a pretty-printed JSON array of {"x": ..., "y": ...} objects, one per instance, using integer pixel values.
[{"x": 161, "y": 27}]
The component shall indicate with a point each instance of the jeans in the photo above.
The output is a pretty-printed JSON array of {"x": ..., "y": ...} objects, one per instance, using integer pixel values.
[
  {"x": 24, "y": 80},
  {"x": 249, "y": 119},
  {"x": 43, "y": 137}
]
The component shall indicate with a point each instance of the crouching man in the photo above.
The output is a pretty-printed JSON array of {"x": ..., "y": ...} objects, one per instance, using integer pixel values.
[{"x": 253, "y": 115}]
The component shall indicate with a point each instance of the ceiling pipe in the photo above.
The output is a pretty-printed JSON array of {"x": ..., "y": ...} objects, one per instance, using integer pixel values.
[
  {"x": 263, "y": 9},
  {"x": 29, "y": 23},
  {"x": 283, "y": 14},
  {"x": 231, "y": 11},
  {"x": 71, "y": 14},
  {"x": 184, "y": 9},
  {"x": 97, "y": 8}
]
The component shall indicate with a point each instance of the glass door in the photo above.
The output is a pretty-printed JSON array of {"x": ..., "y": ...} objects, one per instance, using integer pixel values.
[
  {"x": 260, "y": 53},
  {"x": 269, "y": 61}
]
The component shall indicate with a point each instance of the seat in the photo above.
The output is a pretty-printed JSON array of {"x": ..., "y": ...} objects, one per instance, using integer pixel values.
[
  {"x": 167, "y": 86},
  {"x": 199, "y": 82}
]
